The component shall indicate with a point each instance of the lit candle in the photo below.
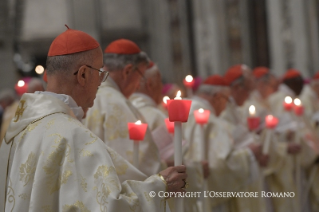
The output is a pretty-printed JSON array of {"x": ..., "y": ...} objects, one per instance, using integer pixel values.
[
  {"x": 164, "y": 104},
  {"x": 271, "y": 123},
  {"x": 169, "y": 126},
  {"x": 253, "y": 121},
  {"x": 201, "y": 116},
  {"x": 137, "y": 132},
  {"x": 189, "y": 83},
  {"x": 298, "y": 108},
  {"x": 178, "y": 111},
  {"x": 288, "y": 103},
  {"x": 21, "y": 87}
]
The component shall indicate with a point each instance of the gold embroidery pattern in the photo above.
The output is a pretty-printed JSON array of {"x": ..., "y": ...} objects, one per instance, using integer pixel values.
[
  {"x": 27, "y": 169},
  {"x": 10, "y": 195},
  {"x": 132, "y": 199},
  {"x": 50, "y": 124},
  {"x": 91, "y": 142},
  {"x": 77, "y": 206},
  {"x": 121, "y": 167},
  {"x": 96, "y": 119},
  {"x": 20, "y": 110},
  {"x": 47, "y": 208},
  {"x": 85, "y": 153},
  {"x": 24, "y": 196},
  {"x": 54, "y": 162},
  {"x": 105, "y": 183},
  {"x": 115, "y": 124},
  {"x": 83, "y": 183}
]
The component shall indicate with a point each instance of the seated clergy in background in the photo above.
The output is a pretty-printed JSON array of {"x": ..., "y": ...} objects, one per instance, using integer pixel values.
[
  {"x": 112, "y": 110},
  {"x": 51, "y": 162},
  {"x": 232, "y": 168},
  {"x": 146, "y": 99}
]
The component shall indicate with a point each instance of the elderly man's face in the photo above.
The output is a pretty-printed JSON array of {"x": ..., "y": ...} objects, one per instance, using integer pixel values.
[
  {"x": 220, "y": 100},
  {"x": 157, "y": 88},
  {"x": 268, "y": 87},
  {"x": 241, "y": 92}
]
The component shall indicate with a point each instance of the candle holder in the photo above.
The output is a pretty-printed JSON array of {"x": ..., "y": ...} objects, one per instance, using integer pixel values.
[
  {"x": 288, "y": 105},
  {"x": 189, "y": 83},
  {"x": 201, "y": 116},
  {"x": 298, "y": 108},
  {"x": 137, "y": 132},
  {"x": 271, "y": 123}
]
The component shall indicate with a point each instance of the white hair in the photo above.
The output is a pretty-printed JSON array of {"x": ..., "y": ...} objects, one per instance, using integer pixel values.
[
  {"x": 210, "y": 89},
  {"x": 116, "y": 62},
  {"x": 149, "y": 74}
]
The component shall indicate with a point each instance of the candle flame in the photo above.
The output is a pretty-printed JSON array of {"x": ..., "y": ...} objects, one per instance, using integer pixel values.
[
  {"x": 21, "y": 83},
  {"x": 178, "y": 95},
  {"x": 288, "y": 99},
  {"x": 252, "y": 110},
  {"x": 138, "y": 122},
  {"x": 189, "y": 78},
  {"x": 201, "y": 110},
  {"x": 297, "y": 102},
  {"x": 270, "y": 117},
  {"x": 165, "y": 98}
]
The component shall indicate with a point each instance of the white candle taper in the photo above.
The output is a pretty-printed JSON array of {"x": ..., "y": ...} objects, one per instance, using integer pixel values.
[
  {"x": 178, "y": 158},
  {"x": 205, "y": 202},
  {"x": 136, "y": 154},
  {"x": 267, "y": 141}
]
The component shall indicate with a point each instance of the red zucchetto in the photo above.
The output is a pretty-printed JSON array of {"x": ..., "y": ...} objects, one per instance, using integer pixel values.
[
  {"x": 122, "y": 46},
  {"x": 234, "y": 73},
  {"x": 215, "y": 80},
  {"x": 259, "y": 72},
  {"x": 291, "y": 73},
  {"x": 72, "y": 41}
]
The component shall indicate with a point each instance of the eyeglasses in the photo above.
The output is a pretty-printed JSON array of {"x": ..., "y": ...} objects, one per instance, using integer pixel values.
[
  {"x": 136, "y": 68},
  {"x": 102, "y": 73}
]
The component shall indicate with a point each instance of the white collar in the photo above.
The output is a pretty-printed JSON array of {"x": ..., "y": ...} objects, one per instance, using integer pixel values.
[{"x": 69, "y": 101}]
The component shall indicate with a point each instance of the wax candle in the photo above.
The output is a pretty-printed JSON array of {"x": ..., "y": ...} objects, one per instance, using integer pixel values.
[
  {"x": 189, "y": 81},
  {"x": 137, "y": 132},
  {"x": 253, "y": 121},
  {"x": 298, "y": 108},
  {"x": 178, "y": 111},
  {"x": 288, "y": 103},
  {"x": 201, "y": 116},
  {"x": 169, "y": 126},
  {"x": 21, "y": 87}
]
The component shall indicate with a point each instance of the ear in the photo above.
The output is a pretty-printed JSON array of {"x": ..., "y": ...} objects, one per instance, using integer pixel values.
[
  {"x": 128, "y": 69},
  {"x": 149, "y": 83},
  {"x": 82, "y": 75}
]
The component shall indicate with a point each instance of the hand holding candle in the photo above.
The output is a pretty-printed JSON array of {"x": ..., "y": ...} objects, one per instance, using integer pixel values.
[
  {"x": 253, "y": 121},
  {"x": 137, "y": 132}
]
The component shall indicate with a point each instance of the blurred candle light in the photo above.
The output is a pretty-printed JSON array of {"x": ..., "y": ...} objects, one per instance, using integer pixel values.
[
  {"x": 39, "y": 69},
  {"x": 288, "y": 103}
]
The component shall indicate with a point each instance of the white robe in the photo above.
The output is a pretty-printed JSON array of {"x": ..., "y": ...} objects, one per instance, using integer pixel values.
[
  {"x": 57, "y": 164},
  {"x": 108, "y": 119},
  {"x": 156, "y": 122}
]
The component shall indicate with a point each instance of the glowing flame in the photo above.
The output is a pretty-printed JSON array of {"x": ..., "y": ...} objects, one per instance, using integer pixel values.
[
  {"x": 21, "y": 83},
  {"x": 165, "y": 98},
  {"x": 252, "y": 110},
  {"x": 39, "y": 69},
  {"x": 138, "y": 122},
  {"x": 297, "y": 102},
  {"x": 201, "y": 110},
  {"x": 189, "y": 78},
  {"x": 288, "y": 99},
  {"x": 178, "y": 95}
]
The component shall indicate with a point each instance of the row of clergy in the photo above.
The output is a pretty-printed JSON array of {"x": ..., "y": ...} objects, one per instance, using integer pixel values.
[{"x": 54, "y": 162}]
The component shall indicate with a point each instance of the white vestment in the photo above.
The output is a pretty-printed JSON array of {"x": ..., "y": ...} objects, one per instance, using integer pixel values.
[
  {"x": 57, "y": 164},
  {"x": 108, "y": 119},
  {"x": 155, "y": 120}
]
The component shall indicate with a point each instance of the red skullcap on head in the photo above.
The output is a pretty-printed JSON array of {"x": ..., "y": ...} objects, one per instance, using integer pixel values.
[
  {"x": 234, "y": 73},
  {"x": 260, "y": 72},
  {"x": 316, "y": 76},
  {"x": 72, "y": 41},
  {"x": 215, "y": 80},
  {"x": 291, "y": 73},
  {"x": 122, "y": 46}
]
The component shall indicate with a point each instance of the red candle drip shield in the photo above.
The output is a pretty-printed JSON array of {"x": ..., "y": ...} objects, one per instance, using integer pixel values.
[
  {"x": 137, "y": 131},
  {"x": 188, "y": 84},
  {"x": 169, "y": 125},
  {"x": 271, "y": 121},
  {"x": 253, "y": 123},
  {"x": 178, "y": 110},
  {"x": 201, "y": 118}
]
